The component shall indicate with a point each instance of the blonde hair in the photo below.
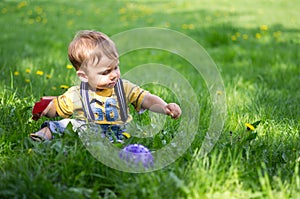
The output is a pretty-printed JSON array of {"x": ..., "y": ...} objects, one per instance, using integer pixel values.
[{"x": 88, "y": 47}]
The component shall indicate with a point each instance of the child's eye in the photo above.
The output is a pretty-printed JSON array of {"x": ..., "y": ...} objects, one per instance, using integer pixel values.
[{"x": 106, "y": 72}]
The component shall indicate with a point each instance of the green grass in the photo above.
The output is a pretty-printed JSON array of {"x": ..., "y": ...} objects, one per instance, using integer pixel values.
[{"x": 255, "y": 45}]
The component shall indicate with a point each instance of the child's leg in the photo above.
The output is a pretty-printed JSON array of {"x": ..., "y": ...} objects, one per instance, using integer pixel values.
[{"x": 49, "y": 129}]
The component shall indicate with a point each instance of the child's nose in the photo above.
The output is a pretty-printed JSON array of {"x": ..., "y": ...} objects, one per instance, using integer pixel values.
[{"x": 114, "y": 74}]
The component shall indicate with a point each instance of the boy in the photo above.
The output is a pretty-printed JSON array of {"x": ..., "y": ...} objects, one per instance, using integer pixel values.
[{"x": 102, "y": 97}]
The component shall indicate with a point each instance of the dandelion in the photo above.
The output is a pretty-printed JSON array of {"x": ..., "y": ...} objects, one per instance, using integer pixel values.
[
  {"x": 191, "y": 26},
  {"x": 69, "y": 66},
  {"x": 250, "y": 127},
  {"x": 217, "y": 14},
  {"x": 39, "y": 72},
  {"x": 70, "y": 23},
  {"x": 45, "y": 21},
  {"x": 127, "y": 135},
  {"x": 188, "y": 26},
  {"x": 277, "y": 34},
  {"x": 27, "y": 80},
  {"x": 38, "y": 19},
  {"x": 245, "y": 36},
  {"x": 27, "y": 70},
  {"x": 263, "y": 27},
  {"x": 71, "y": 11},
  {"x": 167, "y": 24},
  {"x": 30, "y": 21},
  {"x": 16, "y": 73},
  {"x": 48, "y": 76},
  {"x": 122, "y": 11},
  {"x": 64, "y": 86},
  {"x": 233, "y": 38},
  {"x": 22, "y": 4},
  {"x": 38, "y": 9},
  {"x": 257, "y": 35},
  {"x": 4, "y": 10},
  {"x": 79, "y": 13},
  {"x": 184, "y": 26}
]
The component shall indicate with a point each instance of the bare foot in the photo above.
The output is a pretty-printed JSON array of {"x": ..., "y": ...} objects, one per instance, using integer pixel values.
[{"x": 42, "y": 135}]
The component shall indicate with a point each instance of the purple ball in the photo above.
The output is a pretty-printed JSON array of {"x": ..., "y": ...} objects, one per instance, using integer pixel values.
[{"x": 137, "y": 154}]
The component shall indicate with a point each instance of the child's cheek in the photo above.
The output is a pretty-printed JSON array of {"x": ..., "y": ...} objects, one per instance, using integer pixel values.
[{"x": 100, "y": 79}]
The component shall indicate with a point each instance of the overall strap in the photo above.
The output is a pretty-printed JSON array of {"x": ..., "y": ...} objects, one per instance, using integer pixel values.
[
  {"x": 86, "y": 101},
  {"x": 119, "y": 90}
]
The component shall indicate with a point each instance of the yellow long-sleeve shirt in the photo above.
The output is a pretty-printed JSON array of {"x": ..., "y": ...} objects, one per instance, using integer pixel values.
[{"x": 104, "y": 104}]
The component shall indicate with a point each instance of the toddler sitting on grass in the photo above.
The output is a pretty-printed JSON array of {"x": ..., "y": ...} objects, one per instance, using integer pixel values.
[{"x": 102, "y": 97}]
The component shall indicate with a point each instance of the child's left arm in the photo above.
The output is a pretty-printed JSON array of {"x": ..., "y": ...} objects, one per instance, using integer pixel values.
[{"x": 158, "y": 105}]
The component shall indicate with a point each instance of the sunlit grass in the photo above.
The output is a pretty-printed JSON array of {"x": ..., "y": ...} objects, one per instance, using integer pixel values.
[{"x": 255, "y": 45}]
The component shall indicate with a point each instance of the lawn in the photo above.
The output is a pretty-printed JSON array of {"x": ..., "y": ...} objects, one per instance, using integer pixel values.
[{"x": 254, "y": 45}]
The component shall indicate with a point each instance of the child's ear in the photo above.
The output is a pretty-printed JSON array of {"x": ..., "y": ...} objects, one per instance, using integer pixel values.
[{"x": 82, "y": 76}]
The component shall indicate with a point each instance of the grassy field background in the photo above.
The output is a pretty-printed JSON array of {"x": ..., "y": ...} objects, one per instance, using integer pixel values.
[{"x": 255, "y": 45}]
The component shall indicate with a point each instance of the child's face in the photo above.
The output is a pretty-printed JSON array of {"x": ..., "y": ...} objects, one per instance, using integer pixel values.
[{"x": 105, "y": 75}]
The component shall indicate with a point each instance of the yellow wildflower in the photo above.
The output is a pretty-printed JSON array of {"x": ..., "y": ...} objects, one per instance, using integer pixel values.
[
  {"x": 258, "y": 35},
  {"x": 38, "y": 19},
  {"x": 22, "y": 4},
  {"x": 39, "y": 72},
  {"x": 69, "y": 66},
  {"x": 250, "y": 127},
  {"x": 188, "y": 26},
  {"x": 48, "y": 76},
  {"x": 16, "y": 73},
  {"x": 122, "y": 11},
  {"x": 64, "y": 86},
  {"x": 277, "y": 34},
  {"x": 233, "y": 38},
  {"x": 245, "y": 36},
  {"x": 30, "y": 21},
  {"x": 44, "y": 21},
  {"x": 38, "y": 9},
  {"x": 127, "y": 135},
  {"x": 4, "y": 10},
  {"x": 184, "y": 26},
  {"x": 70, "y": 23},
  {"x": 191, "y": 26},
  {"x": 28, "y": 70},
  {"x": 263, "y": 27}
]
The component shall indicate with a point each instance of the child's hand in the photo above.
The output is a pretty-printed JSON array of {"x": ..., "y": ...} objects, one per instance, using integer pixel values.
[{"x": 173, "y": 110}]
